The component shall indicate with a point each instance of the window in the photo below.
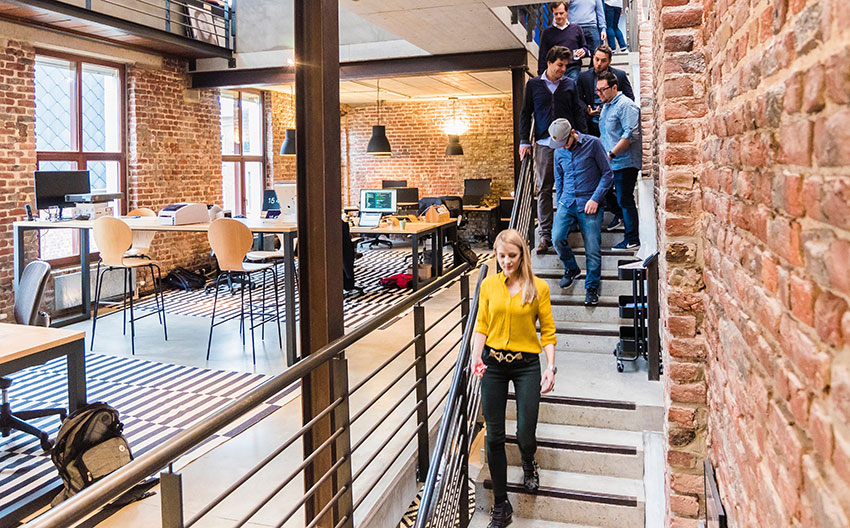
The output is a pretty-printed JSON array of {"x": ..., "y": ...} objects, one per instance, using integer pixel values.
[
  {"x": 79, "y": 125},
  {"x": 242, "y": 152}
]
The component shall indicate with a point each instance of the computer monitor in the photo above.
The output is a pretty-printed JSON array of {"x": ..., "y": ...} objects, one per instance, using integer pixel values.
[
  {"x": 474, "y": 190},
  {"x": 392, "y": 184},
  {"x": 52, "y": 186},
  {"x": 270, "y": 202},
  {"x": 383, "y": 201},
  {"x": 287, "y": 198},
  {"x": 407, "y": 195}
]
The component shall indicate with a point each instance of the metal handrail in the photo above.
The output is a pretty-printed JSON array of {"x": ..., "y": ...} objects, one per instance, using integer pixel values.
[
  {"x": 457, "y": 400},
  {"x": 113, "y": 486}
]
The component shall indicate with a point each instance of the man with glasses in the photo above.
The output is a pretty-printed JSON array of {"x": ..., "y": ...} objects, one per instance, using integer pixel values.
[{"x": 619, "y": 125}]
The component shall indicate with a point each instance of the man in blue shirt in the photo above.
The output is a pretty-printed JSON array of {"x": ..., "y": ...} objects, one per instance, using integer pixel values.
[
  {"x": 619, "y": 127},
  {"x": 590, "y": 15},
  {"x": 582, "y": 177}
]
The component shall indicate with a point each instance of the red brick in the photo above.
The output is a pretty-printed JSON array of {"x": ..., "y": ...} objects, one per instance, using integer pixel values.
[
  {"x": 795, "y": 142},
  {"x": 837, "y": 70},
  {"x": 687, "y": 484},
  {"x": 803, "y": 300},
  {"x": 820, "y": 427},
  {"x": 682, "y": 325},
  {"x": 684, "y": 505},
  {"x": 828, "y": 313},
  {"x": 832, "y": 139},
  {"x": 682, "y": 416},
  {"x": 813, "y": 97},
  {"x": 813, "y": 364},
  {"x": 682, "y": 459},
  {"x": 673, "y": 43},
  {"x": 836, "y": 201},
  {"x": 784, "y": 239},
  {"x": 794, "y": 92},
  {"x": 681, "y": 17},
  {"x": 679, "y": 87},
  {"x": 688, "y": 393},
  {"x": 841, "y": 457},
  {"x": 836, "y": 263},
  {"x": 693, "y": 349}
]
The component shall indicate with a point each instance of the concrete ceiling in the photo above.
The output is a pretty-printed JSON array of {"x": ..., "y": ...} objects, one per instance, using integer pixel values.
[{"x": 422, "y": 87}]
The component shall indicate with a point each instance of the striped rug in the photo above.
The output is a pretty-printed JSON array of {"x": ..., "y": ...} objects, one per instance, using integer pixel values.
[
  {"x": 357, "y": 307},
  {"x": 155, "y": 402}
]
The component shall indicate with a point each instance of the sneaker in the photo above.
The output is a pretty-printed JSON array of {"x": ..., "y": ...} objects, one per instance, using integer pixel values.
[
  {"x": 627, "y": 245},
  {"x": 501, "y": 515},
  {"x": 615, "y": 223},
  {"x": 543, "y": 246},
  {"x": 531, "y": 477},
  {"x": 569, "y": 277},
  {"x": 591, "y": 298}
]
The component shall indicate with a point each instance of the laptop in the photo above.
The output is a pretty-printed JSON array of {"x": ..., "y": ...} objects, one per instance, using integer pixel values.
[{"x": 369, "y": 219}]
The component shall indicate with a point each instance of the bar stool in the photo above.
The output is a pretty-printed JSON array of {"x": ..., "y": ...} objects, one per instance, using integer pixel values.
[
  {"x": 141, "y": 239},
  {"x": 231, "y": 240},
  {"x": 275, "y": 256},
  {"x": 113, "y": 238}
]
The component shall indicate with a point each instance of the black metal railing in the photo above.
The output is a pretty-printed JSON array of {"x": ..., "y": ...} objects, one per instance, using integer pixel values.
[
  {"x": 445, "y": 500},
  {"x": 533, "y": 17},
  {"x": 329, "y": 462},
  {"x": 522, "y": 215}
]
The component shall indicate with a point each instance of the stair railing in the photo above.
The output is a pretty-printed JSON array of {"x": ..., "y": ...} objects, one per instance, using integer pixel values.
[
  {"x": 533, "y": 17},
  {"x": 522, "y": 214},
  {"x": 445, "y": 496}
]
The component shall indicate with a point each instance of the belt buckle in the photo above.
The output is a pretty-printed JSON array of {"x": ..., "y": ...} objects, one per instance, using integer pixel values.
[{"x": 507, "y": 357}]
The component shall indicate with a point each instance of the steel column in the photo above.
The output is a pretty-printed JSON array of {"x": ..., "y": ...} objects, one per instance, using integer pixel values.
[
  {"x": 319, "y": 225},
  {"x": 421, "y": 392},
  {"x": 517, "y": 94}
]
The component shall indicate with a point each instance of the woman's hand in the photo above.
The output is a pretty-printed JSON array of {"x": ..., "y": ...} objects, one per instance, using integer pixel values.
[
  {"x": 548, "y": 381},
  {"x": 476, "y": 365}
]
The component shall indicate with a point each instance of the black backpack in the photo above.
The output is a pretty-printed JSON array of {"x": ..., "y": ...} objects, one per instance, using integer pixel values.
[
  {"x": 89, "y": 446},
  {"x": 183, "y": 279},
  {"x": 467, "y": 254}
]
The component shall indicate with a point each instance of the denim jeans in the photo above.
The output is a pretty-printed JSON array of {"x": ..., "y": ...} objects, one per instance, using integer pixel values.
[
  {"x": 572, "y": 73},
  {"x": 612, "y": 20},
  {"x": 624, "y": 182},
  {"x": 525, "y": 374},
  {"x": 591, "y": 35},
  {"x": 591, "y": 233}
]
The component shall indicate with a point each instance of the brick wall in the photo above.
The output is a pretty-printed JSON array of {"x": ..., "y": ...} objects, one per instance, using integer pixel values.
[
  {"x": 753, "y": 100},
  {"x": 174, "y": 153},
  {"x": 280, "y": 116},
  {"x": 417, "y": 137},
  {"x": 17, "y": 152}
]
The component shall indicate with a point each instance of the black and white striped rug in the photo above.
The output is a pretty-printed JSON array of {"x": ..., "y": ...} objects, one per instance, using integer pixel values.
[
  {"x": 155, "y": 402},
  {"x": 357, "y": 307}
]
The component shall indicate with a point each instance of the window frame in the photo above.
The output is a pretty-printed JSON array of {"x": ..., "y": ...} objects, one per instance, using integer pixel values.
[
  {"x": 241, "y": 184},
  {"x": 77, "y": 155}
]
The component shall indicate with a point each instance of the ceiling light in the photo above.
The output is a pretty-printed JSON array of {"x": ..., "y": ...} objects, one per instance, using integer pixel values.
[{"x": 379, "y": 145}]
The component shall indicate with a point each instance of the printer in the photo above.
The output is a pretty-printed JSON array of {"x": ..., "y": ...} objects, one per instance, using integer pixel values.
[{"x": 183, "y": 214}]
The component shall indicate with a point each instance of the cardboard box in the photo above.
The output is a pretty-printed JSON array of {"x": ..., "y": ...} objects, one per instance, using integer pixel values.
[
  {"x": 424, "y": 271},
  {"x": 437, "y": 213}
]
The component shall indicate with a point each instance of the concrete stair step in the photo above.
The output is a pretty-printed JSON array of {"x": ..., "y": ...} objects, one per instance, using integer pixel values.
[
  {"x": 609, "y": 238},
  {"x": 576, "y": 311},
  {"x": 609, "y": 285},
  {"x": 551, "y": 261},
  {"x": 482, "y": 519},
  {"x": 583, "y": 449},
  {"x": 608, "y": 502},
  {"x": 590, "y": 337}
]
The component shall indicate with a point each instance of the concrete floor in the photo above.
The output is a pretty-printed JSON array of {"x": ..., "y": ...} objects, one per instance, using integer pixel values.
[{"x": 205, "y": 476}]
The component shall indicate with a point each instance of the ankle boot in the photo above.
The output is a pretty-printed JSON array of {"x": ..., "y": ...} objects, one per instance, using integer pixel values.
[
  {"x": 501, "y": 515},
  {"x": 531, "y": 477}
]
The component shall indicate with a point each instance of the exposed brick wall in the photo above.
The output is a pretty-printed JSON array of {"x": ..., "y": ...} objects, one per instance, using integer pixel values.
[
  {"x": 17, "y": 152},
  {"x": 174, "y": 153},
  {"x": 417, "y": 137},
  {"x": 280, "y": 116},
  {"x": 753, "y": 104}
]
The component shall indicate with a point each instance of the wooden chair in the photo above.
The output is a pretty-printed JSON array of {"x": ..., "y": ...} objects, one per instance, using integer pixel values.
[
  {"x": 141, "y": 239},
  {"x": 113, "y": 238},
  {"x": 275, "y": 256},
  {"x": 231, "y": 241}
]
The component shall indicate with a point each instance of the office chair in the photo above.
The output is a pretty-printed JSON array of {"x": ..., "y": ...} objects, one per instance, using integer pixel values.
[
  {"x": 455, "y": 206},
  {"x": 27, "y": 300}
]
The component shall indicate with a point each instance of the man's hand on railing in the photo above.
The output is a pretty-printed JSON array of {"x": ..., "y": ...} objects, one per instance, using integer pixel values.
[{"x": 524, "y": 150}]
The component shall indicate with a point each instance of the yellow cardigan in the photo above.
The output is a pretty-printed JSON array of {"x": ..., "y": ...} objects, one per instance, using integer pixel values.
[{"x": 510, "y": 325}]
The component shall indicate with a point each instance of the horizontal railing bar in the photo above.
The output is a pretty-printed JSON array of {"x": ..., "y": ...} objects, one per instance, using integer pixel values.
[
  {"x": 440, "y": 339},
  {"x": 291, "y": 476},
  {"x": 253, "y": 471},
  {"x": 215, "y": 18},
  {"x": 380, "y": 422},
  {"x": 391, "y": 462},
  {"x": 383, "y": 365},
  {"x": 442, "y": 379},
  {"x": 448, "y": 312},
  {"x": 118, "y": 482},
  {"x": 328, "y": 506},
  {"x": 312, "y": 490},
  {"x": 449, "y": 351},
  {"x": 386, "y": 442},
  {"x": 440, "y": 401},
  {"x": 377, "y": 397}
]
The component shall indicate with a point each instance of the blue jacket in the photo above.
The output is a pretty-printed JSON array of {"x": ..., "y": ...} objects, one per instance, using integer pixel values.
[{"x": 546, "y": 106}]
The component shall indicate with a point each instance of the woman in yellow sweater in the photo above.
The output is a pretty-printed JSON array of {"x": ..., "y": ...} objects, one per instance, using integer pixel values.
[{"x": 505, "y": 348}]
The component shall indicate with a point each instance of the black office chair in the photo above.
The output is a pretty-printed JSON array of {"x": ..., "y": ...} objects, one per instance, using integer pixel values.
[
  {"x": 455, "y": 206},
  {"x": 27, "y": 300}
]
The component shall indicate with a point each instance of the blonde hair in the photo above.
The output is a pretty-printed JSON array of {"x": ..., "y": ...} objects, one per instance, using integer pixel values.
[{"x": 526, "y": 275}]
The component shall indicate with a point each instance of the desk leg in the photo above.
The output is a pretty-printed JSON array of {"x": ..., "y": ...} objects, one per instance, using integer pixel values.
[
  {"x": 20, "y": 261},
  {"x": 76, "y": 375},
  {"x": 289, "y": 298},
  {"x": 85, "y": 273},
  {"x": 437, "y": 252},
  {"x": 414, "y": 248}
]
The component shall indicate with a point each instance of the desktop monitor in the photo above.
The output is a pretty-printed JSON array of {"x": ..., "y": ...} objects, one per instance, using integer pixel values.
[
  {"x": 378, "y": 201},
  {"x": 392, "y": 184},
  {"x": 270, "y": 202},
  {"x": 475, "y": 189},
  {"x": 52, "y": 186},
  {"x": 287, "y": 198}
]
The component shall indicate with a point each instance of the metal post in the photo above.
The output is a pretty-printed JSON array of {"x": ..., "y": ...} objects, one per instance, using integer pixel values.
[
  {"x": 421, "y": 392},
  {"x": 171, "y": 488},
  {"x": 85, "y": 272},
  {"x": 517, "y": 93},
  {"x": 342, "y": 447},
  {"x": 463, "y": 500},
  {"x": 654, "y": 348},
  {"x": 464, "y": 304},
  {"x": 168, "y": 15}
]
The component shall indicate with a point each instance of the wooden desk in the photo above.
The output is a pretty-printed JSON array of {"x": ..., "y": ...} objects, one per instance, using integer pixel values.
[
  {"x": 416, "y": 231},
  {"x": 288, "y": 231},
  {"x": 492, "y": 218},
  {"x": 26, "y": 346}
]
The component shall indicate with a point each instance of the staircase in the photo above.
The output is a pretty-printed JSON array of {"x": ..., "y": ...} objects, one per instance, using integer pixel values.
[{"x": 599, "y": 430}]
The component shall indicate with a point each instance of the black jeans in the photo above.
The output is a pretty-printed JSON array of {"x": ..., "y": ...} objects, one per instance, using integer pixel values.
[{"x": 525, "y": 374}]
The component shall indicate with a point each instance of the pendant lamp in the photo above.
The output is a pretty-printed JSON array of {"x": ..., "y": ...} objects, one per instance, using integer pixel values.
[
  {"x": 288, "y": 146},
  {"x": 454, "y": 129},
  {"x": 379, "y": 145}
]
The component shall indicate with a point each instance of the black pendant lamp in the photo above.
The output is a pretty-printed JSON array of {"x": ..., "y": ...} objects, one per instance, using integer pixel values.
[
  {"x": 288, "y": 146},
  {"x": 454, "y": 147},
  {"x": 379, "y": 145}
]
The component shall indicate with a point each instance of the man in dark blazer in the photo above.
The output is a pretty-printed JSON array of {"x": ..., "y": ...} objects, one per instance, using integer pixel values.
[
  {"x": 587, "y": 86},
  {"x": 548, "y": 97}
]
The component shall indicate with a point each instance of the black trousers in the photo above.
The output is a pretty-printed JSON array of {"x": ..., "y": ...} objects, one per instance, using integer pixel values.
[{"x": 525, "y": 375}]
